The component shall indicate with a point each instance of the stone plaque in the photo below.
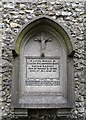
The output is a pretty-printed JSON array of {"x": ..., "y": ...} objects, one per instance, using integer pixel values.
[{"x": 42, "y": 71}]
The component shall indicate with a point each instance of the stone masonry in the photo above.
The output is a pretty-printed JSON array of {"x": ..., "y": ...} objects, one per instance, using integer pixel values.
[{"x": 13, "y": 15}]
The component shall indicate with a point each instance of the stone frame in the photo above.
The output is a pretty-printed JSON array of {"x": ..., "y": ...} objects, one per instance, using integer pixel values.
[{"x": 70, "y": 52}]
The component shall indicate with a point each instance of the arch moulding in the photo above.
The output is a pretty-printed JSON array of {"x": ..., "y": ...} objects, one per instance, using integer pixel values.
[{"x": 43, "y": 40}]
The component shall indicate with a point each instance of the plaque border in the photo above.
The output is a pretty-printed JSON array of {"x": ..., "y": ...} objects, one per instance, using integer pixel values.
[{"x": 35, "y": 57}]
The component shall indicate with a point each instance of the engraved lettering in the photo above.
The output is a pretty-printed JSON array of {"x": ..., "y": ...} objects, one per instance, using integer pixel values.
[{"x": 46, "y": 70}]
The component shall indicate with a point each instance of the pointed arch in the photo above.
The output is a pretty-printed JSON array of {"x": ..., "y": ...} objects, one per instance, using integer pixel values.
[
  {"x": 45, "y": 21},
  {"x": 63, "y": 41}
]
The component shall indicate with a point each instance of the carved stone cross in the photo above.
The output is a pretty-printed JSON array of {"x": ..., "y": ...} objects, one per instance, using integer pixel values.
[{"x": 43, "y": 38}]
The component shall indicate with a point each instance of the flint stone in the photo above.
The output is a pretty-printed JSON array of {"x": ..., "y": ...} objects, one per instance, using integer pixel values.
[
  {"x": 29, "y": 11},
  {"x": 22, "y": 6},
  {"x": 14, "y": 25}
]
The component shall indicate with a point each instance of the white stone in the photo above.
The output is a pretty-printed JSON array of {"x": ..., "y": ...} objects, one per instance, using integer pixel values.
[
  {"x": 13, "y": 25},
  {"x": 75, "y": 111},
  {"x": 11, "y": 6},
  {"x": 74, "y": 5},
  {"x": 5, "y": 114},
  {"x": 66, "y": 13},
  {"x": 21, "y": 12},
  {"x": 2, "y": 107},
  {"x": 29, "y": 11},
  {"x": 58, "y": 12},
  {"x": 28, "y": 16},
  {"x": 78, "y": 10},
  {"x": 81, "y": 110},
  {"x": 53, "y": 2},
  {"x": 54, "y": 17},
  {"x": 22, "y": 6}
]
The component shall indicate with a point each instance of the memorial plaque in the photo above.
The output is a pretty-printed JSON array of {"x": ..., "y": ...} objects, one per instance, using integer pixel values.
[{"x": 41, "y": 73}]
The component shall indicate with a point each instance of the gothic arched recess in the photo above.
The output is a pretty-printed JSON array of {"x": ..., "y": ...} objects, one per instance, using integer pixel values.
[{"x": 43, "y": 66}]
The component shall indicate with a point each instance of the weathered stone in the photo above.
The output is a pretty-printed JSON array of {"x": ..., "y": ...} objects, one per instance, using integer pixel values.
[
  {"x": 66, "y": 13},
  {"x": 9, "y": 6},
  {"x": 74, "y": 13},
  {"x": 52, "y": 2},
  {"x": 42, "y": 2},
  {"x": 74, "y": 5},
  {"x": 22, "y": 6},
  {"x": 14, "y": 12},
  {"x": 3, "y": 93},
  {"x": 28, "y": 16},
  {"x": 77, "y": 9},
  {"x": 2, "y": 108},
  {"x": 26, "y": 20},
  {"x": 81, "y": 110},
  {"x": 54, "y": 17},
  {"x": 8, "y": 30},
  {"x": 50, "y": 8},
  {"x": 15, "y": 16},
  {"x": 14, "y": 25},
  {"x": 58, "y": 13},
  {"x": 21, "y": 12},
  {"x": 51, "y": 13},
  {"x": 5, "y": 114},
  {"x": 29, "y": 11}
]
